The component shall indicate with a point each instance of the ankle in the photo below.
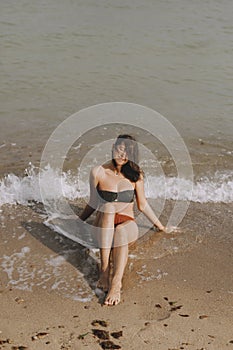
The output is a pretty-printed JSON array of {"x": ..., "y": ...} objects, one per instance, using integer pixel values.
[
  {"x": 116, "y": 281},
  {"x": 104, "y": 270}
]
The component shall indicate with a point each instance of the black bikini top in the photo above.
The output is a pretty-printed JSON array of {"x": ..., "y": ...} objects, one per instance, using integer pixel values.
[{"x": 126, "y": 196}]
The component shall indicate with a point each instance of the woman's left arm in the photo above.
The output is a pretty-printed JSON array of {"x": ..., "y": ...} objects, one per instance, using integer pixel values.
[{"x": 144, "y": 206}]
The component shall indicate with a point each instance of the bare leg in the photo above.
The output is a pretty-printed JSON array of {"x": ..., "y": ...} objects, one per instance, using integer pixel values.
[
  {"x": 103, "y": 282},
  {"x": 105, "y": 234},
  {"x": 124, "y": 234},
  {"x": 120, "y": 257}
]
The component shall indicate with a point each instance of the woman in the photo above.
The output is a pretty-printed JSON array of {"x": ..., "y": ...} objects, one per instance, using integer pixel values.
[{"x": 113, "y": 187}]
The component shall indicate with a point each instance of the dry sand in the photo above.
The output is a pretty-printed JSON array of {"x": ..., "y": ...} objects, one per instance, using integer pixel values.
[{"x": 179, "y": 301}]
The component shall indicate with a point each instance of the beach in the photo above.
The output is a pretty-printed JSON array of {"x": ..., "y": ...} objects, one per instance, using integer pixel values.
[
  {"x": 182, "y": 300},
  {"x": 173, "y": 62}
]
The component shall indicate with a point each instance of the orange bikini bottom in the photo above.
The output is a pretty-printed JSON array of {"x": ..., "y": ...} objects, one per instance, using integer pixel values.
[{"x": 120, "y": 218}]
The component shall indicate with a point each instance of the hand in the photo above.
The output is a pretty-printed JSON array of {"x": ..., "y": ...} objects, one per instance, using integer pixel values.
[
  {"x": 167, "y": 229},
  {"x": 171, "y": 229}
]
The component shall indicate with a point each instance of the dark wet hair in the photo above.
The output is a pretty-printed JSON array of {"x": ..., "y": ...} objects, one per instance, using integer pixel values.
[{"x": 131, "y": 169}]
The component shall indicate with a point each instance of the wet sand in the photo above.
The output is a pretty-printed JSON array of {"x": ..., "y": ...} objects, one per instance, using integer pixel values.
[{"x": 182, "y": 300}]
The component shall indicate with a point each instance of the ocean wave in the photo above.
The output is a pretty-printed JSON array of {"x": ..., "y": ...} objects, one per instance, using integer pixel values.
[{"x": 23, "y": 190}]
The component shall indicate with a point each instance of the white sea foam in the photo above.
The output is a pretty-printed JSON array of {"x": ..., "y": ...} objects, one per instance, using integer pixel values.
[
  {"x": 22, "y": 190},
  {"x": 57, "y": 261},
  {"x": 53, "y": 274},
  {"x": 9, "y": 261}
]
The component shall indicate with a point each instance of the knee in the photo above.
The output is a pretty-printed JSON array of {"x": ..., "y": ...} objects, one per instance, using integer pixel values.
[
  {"x": 120, "y": 238},
  {"x": 107, "y": 215},
  {"x": 126, "y": 233},
  {"x": 108, "y": 208}
]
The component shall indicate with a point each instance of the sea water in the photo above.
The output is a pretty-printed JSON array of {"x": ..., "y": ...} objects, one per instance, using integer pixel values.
[
  {"x": 217, "y": 188},
  {"x": 57, "y": 58},
  {"x": 174, "y": 57}
]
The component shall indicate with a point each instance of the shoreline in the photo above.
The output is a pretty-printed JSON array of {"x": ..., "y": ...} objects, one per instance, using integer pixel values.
[
  {"x": 182, "y": 300},
  {"x": 188, "y": 308}
]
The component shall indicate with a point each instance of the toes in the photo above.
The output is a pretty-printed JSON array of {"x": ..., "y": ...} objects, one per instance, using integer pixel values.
[
  {"x": 108, "y": 301},
  {"x": 114, "y": 300}
]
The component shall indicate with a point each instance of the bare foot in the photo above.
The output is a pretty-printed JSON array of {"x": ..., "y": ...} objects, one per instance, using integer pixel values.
[
  {"x": 114, "y": 295},
  {"x": 103, "y": 282}
]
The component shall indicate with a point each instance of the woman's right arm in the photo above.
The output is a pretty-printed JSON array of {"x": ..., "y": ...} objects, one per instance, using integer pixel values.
[{"x": 93, "y": 201}]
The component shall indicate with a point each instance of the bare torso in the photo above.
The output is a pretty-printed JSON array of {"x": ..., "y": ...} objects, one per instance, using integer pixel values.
[{"x": 109, "y": 181}]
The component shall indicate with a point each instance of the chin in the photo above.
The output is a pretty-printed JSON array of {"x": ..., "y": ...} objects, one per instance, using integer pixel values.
[{"x": 120, "y": 162}]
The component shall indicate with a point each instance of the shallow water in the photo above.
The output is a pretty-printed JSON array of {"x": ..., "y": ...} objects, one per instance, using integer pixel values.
[
  {"x": 34, "y": 256},
  {"x": 58, "y": 58}
]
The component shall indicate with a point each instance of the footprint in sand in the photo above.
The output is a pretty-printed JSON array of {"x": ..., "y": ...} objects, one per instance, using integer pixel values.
[{"x": 157, "y": 311}]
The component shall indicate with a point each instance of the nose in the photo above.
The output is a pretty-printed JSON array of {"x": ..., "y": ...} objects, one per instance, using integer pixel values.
[{"x": 122, "y": 155}]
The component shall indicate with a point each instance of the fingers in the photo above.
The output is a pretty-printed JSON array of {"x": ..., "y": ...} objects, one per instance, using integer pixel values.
[{"x": 172, "y": 229}]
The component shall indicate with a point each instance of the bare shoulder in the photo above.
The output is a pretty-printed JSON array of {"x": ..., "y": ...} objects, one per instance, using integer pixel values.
[
  {"x": 139, "y": 185},
  {"x": 97, "y": 171},
  {"x": 141, "y": 179},
  {"x": 107, "y": 165}
]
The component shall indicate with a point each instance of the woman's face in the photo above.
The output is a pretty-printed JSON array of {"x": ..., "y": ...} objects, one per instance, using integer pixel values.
[{"x": 119, "y": 154}]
